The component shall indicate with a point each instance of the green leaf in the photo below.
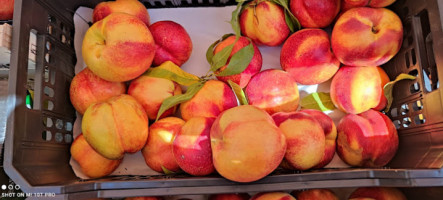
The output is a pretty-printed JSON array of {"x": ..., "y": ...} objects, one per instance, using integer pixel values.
[
  {"x": 239, "y": 93},
  {"x": 210, "y": 51},
  {"x": 234, "y": 19},
  {"x": 239, "y": 61},
  {"x": 319, "y": 101},
  {"x": 167, "y": 171},
  {"x": 390, "y": 86},
  {"x": 221, "y": 58},
  {"x": 169, "y": 70},
  {"x": 291, "y": 20},
  {"x": 177, "y": 99}
]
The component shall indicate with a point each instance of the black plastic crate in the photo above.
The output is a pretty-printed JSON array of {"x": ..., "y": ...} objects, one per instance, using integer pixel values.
[{"x": 43, "y": 166}]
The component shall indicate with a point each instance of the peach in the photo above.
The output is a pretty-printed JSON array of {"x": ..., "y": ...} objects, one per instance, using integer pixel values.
[
  {"x": 367, "y": 36},
  {"x": 307, "y": 57},
  {"x": 132, "y": 7},
  {"x": 379, "y": 193},
  {"x": 87, "y": 88},
  {"x": 150, "y": 92},
  {"x": 368, "y": 139},
  {"x": 238, "y": 136},
  {"x": 356, "y": 89},
  {"x": 272, "y": 196},
  {"x": 264, "y": 22},
  {"x": 273, "y": 91},
  {"x": 212, "y": 99},
  {"x": 316, "y": 194},
  {"x": 348, "y": 4},
  {"x": 172, "y": 42},
  {"x": 237, "y": 196},
  {"x": 192, "y": 147},
  {"x": 305, "y": 139},
  {"x": 253, "y": 68},
  {"x": 116, "y": 126},
  {"x": 118, "y": 48},
  {"x": 92, "y": 164},
  {"x": 314, "y": 13},
  {"x": 380, "y": 3},
  {"x": 7, "y": 9},
  {"x": 144, "y": 198},
  {"x": 384, "y": 80},
  {"x": 158, "y": 152},
  {"x": 330, "y": 131}
]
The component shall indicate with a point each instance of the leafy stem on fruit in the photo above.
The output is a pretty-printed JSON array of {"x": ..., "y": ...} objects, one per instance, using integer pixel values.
[
  {"x": 177, "y": 99},
  {"x": 237, "y": 62},
  {"x": 291, "y": 20}
]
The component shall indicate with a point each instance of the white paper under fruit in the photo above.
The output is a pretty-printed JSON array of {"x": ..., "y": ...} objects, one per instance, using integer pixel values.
[{"x": 204, "y": 25}]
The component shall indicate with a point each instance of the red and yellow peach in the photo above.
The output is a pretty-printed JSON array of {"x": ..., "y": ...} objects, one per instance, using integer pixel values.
[
  {"x": 118, "y": 48},
  {"x": 212, "y": 99},
  {"x": 150, "y": 92},
  {"x": 306, "y": 55},
  {"x": 356, "y": 89},
  {"x": 315, "y": 194},
  {"x": 158, "y": 152},
  {"x": 368, "y": 139},
  {"x": 314, "y": 13},
  {"x": 264, "y": 22},
  {"x": 192, "y": 147},
  {"x": 87, "y": 88},
  {"x": 116, "y": 126},
  {"x": 253, "y": 68},
  {"x": 367, "y": 36},
  {"x": 92, "y": 164},
  {"x": 243, "y": 138},
  {"x": 273, "y": 91},
  {"x": 132, "y": 7},
  {"x": 379, "y": 193},
  {"x": 272, "y": 196},
  {"x": 305, "y": 139},
  {"x": 172, "y": 42},
  {"x": 330, "y": 131},
  {"x": 348, "y": 4}
]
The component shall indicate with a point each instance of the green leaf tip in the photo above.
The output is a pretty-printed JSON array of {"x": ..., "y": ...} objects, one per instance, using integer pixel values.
[
  {"x": 387, "y": 89},
  {"x": 318, "y": 100}
]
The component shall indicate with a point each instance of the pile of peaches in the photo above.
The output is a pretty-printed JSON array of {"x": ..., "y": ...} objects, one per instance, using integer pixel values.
[
  {"x": 368, "y": 193},
  {"x": 244, "y": 124}
]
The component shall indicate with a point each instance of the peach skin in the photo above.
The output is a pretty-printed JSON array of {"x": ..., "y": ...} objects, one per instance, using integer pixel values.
[
  {"x": 253, "y": 68},
  {"x": 92, "y": 164},
  {"x": 264, "y": 22},
  {"x": 273, "y": 91},
  {"x": 367, "y": 36},
  {"x": 172, "y": 42},
  {"x": 150, "y": 92},
  {"x": 356, "y": 89},
  {"x": 132, "y": 7},
  {"x": 87, "y": 88},
  {"x": 158, "y": 152},
  {"x": 215, "y": 97},
  {"x": 118, "y": 48},
  {"x": 306, "y": 55},
  {"x": 116, "y": 126},
  {"x": 192, "y": 147},
  {"x": 315, "y": 13},
  {"x": 368, "y": 139},
  {"x": 238, "y": 135}
]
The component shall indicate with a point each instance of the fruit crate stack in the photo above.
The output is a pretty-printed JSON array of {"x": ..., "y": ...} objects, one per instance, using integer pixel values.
[{"x": 38, "y": 148}]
